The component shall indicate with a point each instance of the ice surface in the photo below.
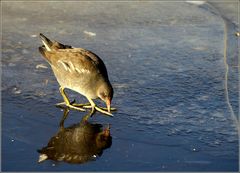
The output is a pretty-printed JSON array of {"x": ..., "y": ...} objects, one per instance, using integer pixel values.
[{"x": 165, "y": 61}]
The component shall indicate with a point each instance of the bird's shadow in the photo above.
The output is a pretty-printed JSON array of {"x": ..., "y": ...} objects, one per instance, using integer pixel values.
[{"x": 78, "y": 143}]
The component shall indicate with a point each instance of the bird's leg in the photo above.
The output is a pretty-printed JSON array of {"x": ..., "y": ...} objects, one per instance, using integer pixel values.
[
  {"x": 63, "y": 103},
  {"x": 66, "y": 100},
  {"x": 95, "y": 107},
  {"x": 85, "y": 105},
  {"x": 92, "y": 107}
]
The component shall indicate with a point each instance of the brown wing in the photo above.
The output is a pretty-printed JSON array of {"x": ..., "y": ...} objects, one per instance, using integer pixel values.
[{"x": 76, "y": 60}]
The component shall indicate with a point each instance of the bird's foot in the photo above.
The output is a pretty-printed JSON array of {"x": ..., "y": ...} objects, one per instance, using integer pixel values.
[
  {"x": 61, "y": 104},
  {"x": 105, "y": 109},
  {"x": 70, "y": 105},
  {"x": 82, "y": 107},
  {"x": 102, "y": 110},
  {"x": 75, "y": 107},
  {"x": 88, "y": 106},
  {"x": 96, "y": 108}
]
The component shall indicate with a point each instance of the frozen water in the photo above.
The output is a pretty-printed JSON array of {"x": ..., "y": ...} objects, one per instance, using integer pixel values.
[{"x": 165, "y": 61}]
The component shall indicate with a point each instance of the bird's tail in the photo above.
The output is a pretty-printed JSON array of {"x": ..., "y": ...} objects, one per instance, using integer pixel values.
[{"x": 46, "y": 42}]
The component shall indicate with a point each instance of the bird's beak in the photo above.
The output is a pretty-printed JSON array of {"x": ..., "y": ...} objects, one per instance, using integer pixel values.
[{"x": 108, "y": 103}]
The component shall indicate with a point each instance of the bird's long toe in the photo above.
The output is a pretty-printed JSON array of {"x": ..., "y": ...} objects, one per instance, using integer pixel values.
[
  {"x": 88, "y": 106},
  {"x": 75, "y": 107},
  {"x": 103, "y": 111},
  {"x": 84, "y": 105},
  {"x": 60, "y": 104}
]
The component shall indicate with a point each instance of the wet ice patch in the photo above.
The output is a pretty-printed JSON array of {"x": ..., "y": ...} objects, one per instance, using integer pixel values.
[
  {"x": 118, "y": 85},
  {"x": 203, "y": 98},
  {"x": 41, "y": 66},
  {"x": 197, "y": 162},
  {"x": 91, "y": 34},
  {"x": 25, "y": 51},
  {"x": 33, "y": 36},
  {"x": 11, "y": 64},
  {"x": 16, "y": 90},
  {"x": 196, "y": 2}
]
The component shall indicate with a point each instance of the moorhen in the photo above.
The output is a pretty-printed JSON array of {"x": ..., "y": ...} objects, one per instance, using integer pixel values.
[{"x": 80, "y": 70}]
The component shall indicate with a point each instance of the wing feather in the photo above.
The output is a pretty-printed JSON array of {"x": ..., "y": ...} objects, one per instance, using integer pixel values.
[{"x": 76, "y": 60}]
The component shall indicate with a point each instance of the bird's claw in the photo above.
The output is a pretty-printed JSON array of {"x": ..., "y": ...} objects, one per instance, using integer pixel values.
[
  {"x": 89, "y": 106},
  {"x": 70, "y": 105},
  {"x": 82, "y": 107},
  {"x": 103, "y": 111}
]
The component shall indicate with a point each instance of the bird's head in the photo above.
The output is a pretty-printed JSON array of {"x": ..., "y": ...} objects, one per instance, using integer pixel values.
[{"x": 105, "y": 93}]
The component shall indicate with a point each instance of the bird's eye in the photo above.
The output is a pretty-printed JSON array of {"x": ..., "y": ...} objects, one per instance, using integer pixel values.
[{"x": 103, "y": 95}]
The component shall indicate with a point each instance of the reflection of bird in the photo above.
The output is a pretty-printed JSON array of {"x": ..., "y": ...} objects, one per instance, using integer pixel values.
[
  {"x": 79, "y": 70},
  {"x": 77, "y": 144}
]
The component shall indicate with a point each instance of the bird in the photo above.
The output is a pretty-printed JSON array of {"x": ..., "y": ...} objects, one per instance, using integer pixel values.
[{"x": 79, "y": 70}]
